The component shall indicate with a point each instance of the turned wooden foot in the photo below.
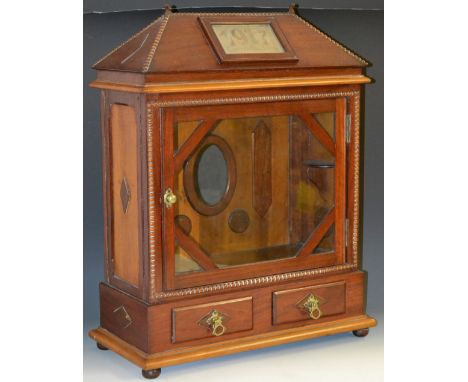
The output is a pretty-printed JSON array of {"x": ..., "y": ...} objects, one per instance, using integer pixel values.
[
  {"x": 101, "y": 347},
  {"x": 151, "y": 374},
  {"x": 361, "y": 332}
]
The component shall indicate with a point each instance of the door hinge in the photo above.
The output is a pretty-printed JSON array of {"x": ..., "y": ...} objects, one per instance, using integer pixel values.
[
  {"x": 346, "y": 232},
  {"x": 348, "y": 128}
]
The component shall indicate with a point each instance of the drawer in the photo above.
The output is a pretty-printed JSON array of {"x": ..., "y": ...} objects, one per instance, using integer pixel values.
[
  {"x": 324, "y": 300},
  {"x": 216, "y": 319}
]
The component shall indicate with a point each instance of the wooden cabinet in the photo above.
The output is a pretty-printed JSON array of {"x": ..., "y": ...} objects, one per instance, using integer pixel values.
[{"x": 231, "y": 187}]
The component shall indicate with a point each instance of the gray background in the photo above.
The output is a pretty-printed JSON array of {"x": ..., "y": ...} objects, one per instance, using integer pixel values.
[
  {"x": 126, "y": 5},
  {"x": 361, "y": 30}
]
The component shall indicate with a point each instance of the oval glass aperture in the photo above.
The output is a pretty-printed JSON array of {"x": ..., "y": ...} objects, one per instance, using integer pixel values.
[{"x": 211, "y": 175}]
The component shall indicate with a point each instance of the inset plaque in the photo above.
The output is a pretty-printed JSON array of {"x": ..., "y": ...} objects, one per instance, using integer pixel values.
[{"x": 247, "y": 39}]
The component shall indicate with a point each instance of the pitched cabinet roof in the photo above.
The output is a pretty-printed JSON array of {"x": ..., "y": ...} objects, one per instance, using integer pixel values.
[{"x": 176, "y": 43}]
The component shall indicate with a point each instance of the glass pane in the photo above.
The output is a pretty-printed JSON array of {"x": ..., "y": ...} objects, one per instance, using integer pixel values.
[
  {"x": 327, "y": 121},
  {"x": 253, "y": 190},
  {"x": 316, "y": 191},
  {"x": 181, "y": 134},
  {"x": 327, "y": 244},
  {"x": 184, "y": 263},
  {"x": 211, "y": 175}
]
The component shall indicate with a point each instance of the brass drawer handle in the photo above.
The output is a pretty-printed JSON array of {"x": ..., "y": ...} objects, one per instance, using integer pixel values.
[
  {"x": 169, "y": 198},
  {"x": 215, "y": 323},
  {"x": 312, "y": 306}
]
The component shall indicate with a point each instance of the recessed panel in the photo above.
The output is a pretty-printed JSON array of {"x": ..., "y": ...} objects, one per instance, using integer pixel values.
[{"x": 125, "y": 245}]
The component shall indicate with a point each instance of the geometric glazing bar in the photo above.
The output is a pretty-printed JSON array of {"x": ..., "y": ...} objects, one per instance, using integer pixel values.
[
  {"x": 191, "y": 143},
  {"x": 317, "y": 235},
  {"x": 319, "y": 132},
  {"x": 193, "y": 250}
]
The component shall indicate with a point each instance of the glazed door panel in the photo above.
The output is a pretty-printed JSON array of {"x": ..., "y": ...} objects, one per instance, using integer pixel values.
[{"x": 253, "y": 190}]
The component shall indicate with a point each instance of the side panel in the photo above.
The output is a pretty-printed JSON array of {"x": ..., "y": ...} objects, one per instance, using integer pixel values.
[
  {"x": 125, "y": 243},
  {"x": 125, "y": 195},
  {"x": 124, "y": 316}
]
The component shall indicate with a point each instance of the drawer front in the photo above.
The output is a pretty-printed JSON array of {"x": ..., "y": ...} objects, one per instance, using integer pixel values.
[
  {"x": 216, "y": 319},
  {"x": 309, "y": 303}
]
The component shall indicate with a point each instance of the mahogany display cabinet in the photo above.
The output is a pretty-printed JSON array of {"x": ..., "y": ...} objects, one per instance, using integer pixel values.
[{"x": 231, "y": 188}]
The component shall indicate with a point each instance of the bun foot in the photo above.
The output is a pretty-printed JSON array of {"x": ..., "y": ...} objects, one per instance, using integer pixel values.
[
  {"x": 101, "y": 347},
  {"x": 361, "y": 332},
  {"x": 151, "y": 374}
]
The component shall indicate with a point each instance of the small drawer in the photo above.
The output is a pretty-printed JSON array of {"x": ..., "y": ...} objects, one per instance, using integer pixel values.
[
  {"x": 309, "y": 303},
  {"x": 215, "y": 319}
]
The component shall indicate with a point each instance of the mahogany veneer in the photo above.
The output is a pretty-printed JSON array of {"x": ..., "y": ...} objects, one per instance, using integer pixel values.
[{"x": 205, "y": 256}]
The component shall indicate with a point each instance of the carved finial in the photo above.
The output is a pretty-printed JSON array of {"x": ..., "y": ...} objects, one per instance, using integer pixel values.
[
  {"x": 167, "y": 10},
  {"x": 293, "y": 8}
]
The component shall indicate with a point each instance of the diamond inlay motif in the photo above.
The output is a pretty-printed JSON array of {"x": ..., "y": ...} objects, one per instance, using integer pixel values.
[{"x": 124, "y": 194}]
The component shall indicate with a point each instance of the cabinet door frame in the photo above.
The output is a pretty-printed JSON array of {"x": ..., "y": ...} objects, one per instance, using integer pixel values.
[{"x": 172, "y": 114}]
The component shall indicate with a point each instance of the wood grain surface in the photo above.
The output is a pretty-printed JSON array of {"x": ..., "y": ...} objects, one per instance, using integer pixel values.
[
  {"x": 123, "y": 126},
  {"x": 196, "y": 353}
]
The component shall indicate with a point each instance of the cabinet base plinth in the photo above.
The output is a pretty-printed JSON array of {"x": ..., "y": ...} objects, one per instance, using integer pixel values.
[{"x": 174, "y": 357}]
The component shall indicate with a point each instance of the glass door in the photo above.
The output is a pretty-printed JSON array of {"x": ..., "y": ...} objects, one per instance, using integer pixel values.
[{"x": 253, "y": 189}]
